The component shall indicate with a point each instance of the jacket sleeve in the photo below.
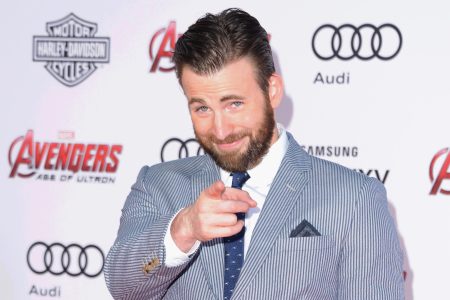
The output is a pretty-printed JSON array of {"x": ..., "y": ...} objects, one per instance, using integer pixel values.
[
  {"x": 371, "y": 260},
  {"x": 134, "y": 267}
]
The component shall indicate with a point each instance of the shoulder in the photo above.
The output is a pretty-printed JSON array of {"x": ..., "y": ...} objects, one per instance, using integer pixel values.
[
  {"x": 340, "y": 188},
  {"x": 327, "y": 173},
  {"x": 331, "y": 169},
  {"x": 339, "y": 174},
  {"x": 169, "y": 184},
  {"x": 185, "y": 167}
]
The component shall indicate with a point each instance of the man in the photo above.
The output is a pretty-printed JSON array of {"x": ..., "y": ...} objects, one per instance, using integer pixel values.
[{"x": 312, "y": 229}]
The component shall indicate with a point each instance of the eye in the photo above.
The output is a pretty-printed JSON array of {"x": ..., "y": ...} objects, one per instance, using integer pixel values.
[
  {"x": 237, "y": 103},
  {"x": 202, "y": 108}
]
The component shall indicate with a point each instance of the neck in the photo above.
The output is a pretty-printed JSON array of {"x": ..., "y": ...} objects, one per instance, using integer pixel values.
[{"x": 275, "y": 135}]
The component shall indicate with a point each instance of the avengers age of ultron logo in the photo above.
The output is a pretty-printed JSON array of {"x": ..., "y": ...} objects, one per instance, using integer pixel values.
[
  {"x": 70, "y": 49},
  {"x": 63, "y": 161},
  {"x": 439, "y": 172}
]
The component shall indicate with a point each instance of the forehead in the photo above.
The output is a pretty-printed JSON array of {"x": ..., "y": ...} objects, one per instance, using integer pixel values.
[{"x": 237, "y": 76}]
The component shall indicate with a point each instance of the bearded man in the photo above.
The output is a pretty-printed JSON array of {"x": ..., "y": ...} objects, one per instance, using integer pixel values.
[{"x": 256, "y": 217}]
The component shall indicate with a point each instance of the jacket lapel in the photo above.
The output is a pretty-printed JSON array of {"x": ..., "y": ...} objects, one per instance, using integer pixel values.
[
  {"x": 284, "y": 193},
  {"x": 211, "y": 253}
]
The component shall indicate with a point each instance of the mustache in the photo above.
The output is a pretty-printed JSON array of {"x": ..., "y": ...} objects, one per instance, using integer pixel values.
[{"x": 230, "y": 138}]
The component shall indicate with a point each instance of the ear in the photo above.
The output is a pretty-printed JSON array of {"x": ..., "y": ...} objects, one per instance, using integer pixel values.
[{"x": 275, "y": 90}]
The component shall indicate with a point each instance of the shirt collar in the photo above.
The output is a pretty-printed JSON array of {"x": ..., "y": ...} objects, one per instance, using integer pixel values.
[{"x": 263, "y": 174}]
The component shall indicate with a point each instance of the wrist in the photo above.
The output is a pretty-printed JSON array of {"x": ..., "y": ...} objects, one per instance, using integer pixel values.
[{"x": 181, "y": 232}]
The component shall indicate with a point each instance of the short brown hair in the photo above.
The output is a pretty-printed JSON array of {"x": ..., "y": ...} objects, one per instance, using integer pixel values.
[{"x": 216, "y": 40}]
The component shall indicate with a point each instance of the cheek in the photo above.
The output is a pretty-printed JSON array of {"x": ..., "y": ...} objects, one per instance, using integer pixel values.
[
  {"x": 251, "y": 121},
  {"x": 244, "y": 119},
  {"x": 201, "y": 125}
]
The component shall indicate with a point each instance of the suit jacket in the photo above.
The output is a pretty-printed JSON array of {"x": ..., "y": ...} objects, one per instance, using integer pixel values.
[{"x": 357, "y": 255}]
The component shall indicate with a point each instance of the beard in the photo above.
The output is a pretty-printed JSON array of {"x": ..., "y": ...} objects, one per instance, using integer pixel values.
[{"x": 245, "y": 159}]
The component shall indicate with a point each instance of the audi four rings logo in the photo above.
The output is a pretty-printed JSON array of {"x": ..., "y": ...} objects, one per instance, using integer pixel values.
[
  {"x": 175, "y": 148},
  {"x": 58, "y": 259},
  {"x": 364, "y": 42}
]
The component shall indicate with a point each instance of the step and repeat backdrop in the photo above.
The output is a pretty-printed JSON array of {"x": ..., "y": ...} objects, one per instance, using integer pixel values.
[{"x": 89, "y": 96}]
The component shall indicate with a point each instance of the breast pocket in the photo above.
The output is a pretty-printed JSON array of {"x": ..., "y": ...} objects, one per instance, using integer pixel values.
[{"x": 304, "y": 265}]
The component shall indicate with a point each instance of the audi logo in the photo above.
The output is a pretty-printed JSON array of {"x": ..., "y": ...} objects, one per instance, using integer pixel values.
[
  {"x": 176, "y": 148},
  {"x": 73, "y": 260},
  {"x": 364, "y": 42}
]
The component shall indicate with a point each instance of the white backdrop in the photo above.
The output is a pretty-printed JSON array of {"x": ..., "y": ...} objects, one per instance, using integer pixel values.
[{"x": 87, "y": 99}]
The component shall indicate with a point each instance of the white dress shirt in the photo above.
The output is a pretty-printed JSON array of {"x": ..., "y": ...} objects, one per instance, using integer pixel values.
[{"x": 257, "y": 186}]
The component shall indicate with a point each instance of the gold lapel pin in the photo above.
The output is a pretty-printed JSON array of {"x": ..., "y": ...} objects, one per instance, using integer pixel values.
[{"x": 150, "y": 265}]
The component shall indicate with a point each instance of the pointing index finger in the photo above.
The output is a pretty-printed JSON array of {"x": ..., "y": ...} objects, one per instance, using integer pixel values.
[
  {"x": 238, "y": 195},
  {"x": 216, "y": 189}
]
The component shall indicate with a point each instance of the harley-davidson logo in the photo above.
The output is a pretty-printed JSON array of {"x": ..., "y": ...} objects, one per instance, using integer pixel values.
[{"x": 70, "y": 49}]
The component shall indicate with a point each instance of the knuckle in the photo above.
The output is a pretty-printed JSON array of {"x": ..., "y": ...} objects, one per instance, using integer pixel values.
[
  {"x": 230, "y": 220},
  {"x": 233, "y": 219},
  {"x": 241, "y": 206},
  {"x": 230, "y": 206},
  {"x": 233, "y": 206}
]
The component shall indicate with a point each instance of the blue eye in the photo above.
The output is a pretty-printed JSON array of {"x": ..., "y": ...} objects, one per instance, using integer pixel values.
[
  {"x": 237, "y": 103},
  {"x": 202, "y": 108}
]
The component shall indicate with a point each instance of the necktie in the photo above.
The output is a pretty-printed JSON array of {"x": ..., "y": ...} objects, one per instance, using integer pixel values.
[{"x": 234, "y": 245}]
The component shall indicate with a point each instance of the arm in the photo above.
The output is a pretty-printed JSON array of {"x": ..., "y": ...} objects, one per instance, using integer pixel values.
[
  {"x": 144, "y": 227},
  {"x": 371, "y": 257},
  {"x": 140, "y": 242}
]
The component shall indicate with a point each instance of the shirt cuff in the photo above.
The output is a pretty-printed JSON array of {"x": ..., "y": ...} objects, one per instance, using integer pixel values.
[{"x": 174, "y": 256}]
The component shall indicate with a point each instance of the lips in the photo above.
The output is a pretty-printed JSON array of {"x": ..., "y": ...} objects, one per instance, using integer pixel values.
[{"x": 230, "y": 146}]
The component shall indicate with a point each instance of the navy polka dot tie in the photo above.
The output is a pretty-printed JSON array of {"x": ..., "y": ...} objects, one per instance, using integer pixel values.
[{"x": 234, "y": 245}]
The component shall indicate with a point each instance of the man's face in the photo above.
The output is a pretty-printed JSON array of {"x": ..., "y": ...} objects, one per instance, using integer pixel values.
[{"x": 233, "y": 119}]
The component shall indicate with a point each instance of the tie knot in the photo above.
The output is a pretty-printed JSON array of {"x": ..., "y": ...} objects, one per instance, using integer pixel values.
[{"x": 239, "y": 178}]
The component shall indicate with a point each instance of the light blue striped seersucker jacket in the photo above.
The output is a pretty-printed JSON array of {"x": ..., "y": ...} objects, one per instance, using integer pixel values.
[{"x": 357, "y": 255}]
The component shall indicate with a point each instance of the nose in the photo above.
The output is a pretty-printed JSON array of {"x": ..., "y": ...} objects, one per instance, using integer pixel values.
[{"x": 222, "y": 126}]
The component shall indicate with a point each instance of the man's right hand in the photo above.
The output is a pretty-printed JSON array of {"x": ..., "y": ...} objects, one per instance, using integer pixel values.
[{"x": 212, "y": 215}]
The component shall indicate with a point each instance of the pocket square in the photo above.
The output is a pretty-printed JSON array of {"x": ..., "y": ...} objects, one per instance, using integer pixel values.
[{"x": 304, "y": 229}]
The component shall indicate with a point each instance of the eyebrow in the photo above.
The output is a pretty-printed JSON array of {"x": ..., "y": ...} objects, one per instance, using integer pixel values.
[
  {"x": 231, "y": 97},
  {"x": 224, "y": 98},
  {"x": 196, "y": 100}
]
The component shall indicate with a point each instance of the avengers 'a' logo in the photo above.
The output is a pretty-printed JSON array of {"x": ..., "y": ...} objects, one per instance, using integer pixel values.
[
  {"x": 24, "y": 157},
  {"x": 364, "y": 42},
  {"x": 176, "y": 148},
  {"x": 442, "y": 159},
  {"x": 161, "y": 48}
]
